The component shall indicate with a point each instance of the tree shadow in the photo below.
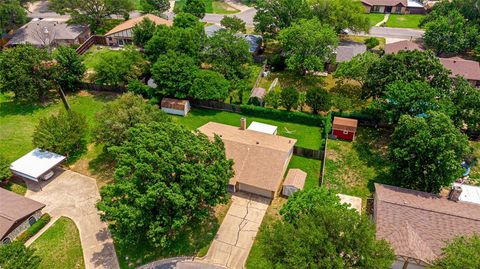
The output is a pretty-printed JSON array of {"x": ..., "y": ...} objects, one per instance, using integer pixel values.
[{"x": 12, "y": 107}]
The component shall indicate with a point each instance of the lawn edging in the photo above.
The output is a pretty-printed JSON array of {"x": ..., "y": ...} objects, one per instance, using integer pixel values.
[{"x": 34, "y": 229}]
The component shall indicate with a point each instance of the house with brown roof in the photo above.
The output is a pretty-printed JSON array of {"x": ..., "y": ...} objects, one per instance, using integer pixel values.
[
  {"x": 122, "y": 34},
  {"x": 393, "y": 6},
  {"x": 260, "y": 159},
  {"x": 417, "y": 224},
  {"x": 470, "y": 70},
  {"x": 407, "y": 45},
  {"x": 17, "y": 213}
]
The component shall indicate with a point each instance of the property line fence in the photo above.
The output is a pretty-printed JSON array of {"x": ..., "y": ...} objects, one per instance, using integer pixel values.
[
  {"x": 215, "y": 105},
  {"x": 308, "y": 153},
  {"x": 92, "y": 40},
  {"x": 102, "y": 87}
]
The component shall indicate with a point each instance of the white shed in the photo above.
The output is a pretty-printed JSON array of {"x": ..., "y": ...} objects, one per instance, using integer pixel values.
[
  {"x": 37, "y": 164},
  {"x": 263, "y": 128},
  {"x": 175, "y": 106},
  {"x": 294, "y": 181}
]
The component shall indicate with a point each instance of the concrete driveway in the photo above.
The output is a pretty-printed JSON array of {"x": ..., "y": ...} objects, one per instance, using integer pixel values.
[
  {"x": 236, "y": 234},
  {"x": 74, "y": 195}
]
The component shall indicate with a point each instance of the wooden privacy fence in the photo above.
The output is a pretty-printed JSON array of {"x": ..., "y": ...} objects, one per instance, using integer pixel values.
[
  {"x": 215, "y": 105},
  {"x": 102, "y": 88},
  {"x": 324, "y": 160},
  {"x": 92, "y": 40},
  {"x": 308, "y": 153}
]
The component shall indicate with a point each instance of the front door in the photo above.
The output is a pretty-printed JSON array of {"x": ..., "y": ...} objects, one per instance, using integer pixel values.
[{"x": 388, "y": 9}]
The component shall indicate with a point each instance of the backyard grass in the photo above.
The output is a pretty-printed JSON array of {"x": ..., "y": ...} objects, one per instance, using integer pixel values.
[
  {"x": 353, "y": 167},
  {"x": 405, "y": 21},
  {"x": 92, "y": 56},
  {"x": 59, "y": 246},
  {"x": 18, "y": 120},
  {"x": 193, "y": 241},
  {"x": 17, "y": 187},
  {"x": 309, "y": 166},
  {"x": 211, "y": 6},
  {"x": 307, "y": 136},
  {"x": 375, "y": 18},
  {"x": 361, "y": 39}
]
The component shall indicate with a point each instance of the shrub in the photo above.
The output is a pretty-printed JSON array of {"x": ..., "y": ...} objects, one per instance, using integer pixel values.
[
  {"x": 289, "y": 97},
  {"x": 35, "y": 228},
  {"x": 5, "y": 172},
  {"x": 138, "y": 87},
  {"x": 64, "y": 133},
  {"x": 273, "y": 98},
  {"x": 371, "y": 42},
  {"x": 318, "y": 99}
]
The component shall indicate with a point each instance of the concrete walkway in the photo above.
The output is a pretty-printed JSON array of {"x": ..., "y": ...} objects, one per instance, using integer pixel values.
[
  {"x": 236, "y": 234},
  {"x": 385, "y": 19},
  {"x": 74, "y": 195}
]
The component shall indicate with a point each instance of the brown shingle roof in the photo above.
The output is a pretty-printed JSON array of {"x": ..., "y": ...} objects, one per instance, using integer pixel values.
[
  {"x": 465, "y": 68},
  {"x": 14, "y": 208},
  {"x": 385, "y": 2},
  {"x": 173, "y": 103},
  {"x": 131, "y": 23},
  {"x": 259, "y": 158},
  {"x": 418, "y": 224},
  {"x": 296, "y": 178},
  {"x": 340, "y": 123},
  {"x": 401, "y": 45}
]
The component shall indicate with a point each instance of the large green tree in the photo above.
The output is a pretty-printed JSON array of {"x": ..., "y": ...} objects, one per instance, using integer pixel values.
[
  {"x": 317, "y": 231},
  {"x": 64, "y": 133},
  {"x": 155, "y": 6},
  {"x": 275, "y": 15},
  {"x": 308, "y": 45},
  {"x": 16, "y": 255},
  {"x": 121, "y": 67},
  {"x": 12, "y": 15},
  {"x": 461, "y": 252},
  {"x": 318, "y": 99},
  {"x": 426, "y": 152},
  {"x": 25, "y": 73},
  {"x": 70, "y": 68},
  {"x": 289, "y": 97},
  {"x": 341, "y": 14},
  {"x": 195, "y": 7},
  {"x": 92, "y": 12},
  {"x": 451, "y": 34},
  {"x": 143, "y": 32},
  {"x": 466, "y": 100},
  {"x": 234, "y": 24},
  {"x": 174, "y": 74},
  {"x": 113, "y": 122},
  {"x": 209, "y": 85},
  {"x": 357, "y": 68},
  {"x": 166, "y": 178},
  {"x": 406, "y": 66},
  {"x": 228, "y": 54}
]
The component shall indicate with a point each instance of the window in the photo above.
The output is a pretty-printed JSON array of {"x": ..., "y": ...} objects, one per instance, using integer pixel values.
[
  {"x": 398, "y": 9},
  {"x": 376, "y": 8},
  {"x": 345, "y": 132},
  {"x": 32, "y": 220},
  {"x": 6, "y": 240}
]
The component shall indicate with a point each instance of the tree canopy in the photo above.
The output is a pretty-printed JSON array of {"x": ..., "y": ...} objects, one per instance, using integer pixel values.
[
  {"x": 16, "y": 255},
  {"x": 173, "y": 177},
  {"x": 317, "y": 231},
  {"x": 70, "y": 68},
  {"x": 64, "y": 133},
  {"x": 5, "y": 172},
  {"x": 113, "y": 122},
  {"x": 426, "y": 152},
  {"x": 289, "y": 97},
  {"x": 461, "y": 252},
  {"x": 143, "y": 32},
  {"x": 357, "y": 68},
  {"x": 12, "y": 15},
  {"x": 195, "y": 7},
  {"x": 308, "y": 45},
  {"x": 341, "y": 14},
  {"x": 318, "y": 99},
  {"x": 209, "y": 85},
  {"x": 233, "y": 24},
  {"x": 156, "y": 7}
]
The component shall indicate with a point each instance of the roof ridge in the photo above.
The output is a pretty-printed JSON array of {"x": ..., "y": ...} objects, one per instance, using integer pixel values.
[{"x": 6, "y": 216}]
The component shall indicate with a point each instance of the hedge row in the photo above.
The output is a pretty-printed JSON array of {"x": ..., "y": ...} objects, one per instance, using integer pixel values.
[
  {"x": 275, "y": 114},
  {"x": 362, "y": 115},
  {"x": 35, "y": 228}
]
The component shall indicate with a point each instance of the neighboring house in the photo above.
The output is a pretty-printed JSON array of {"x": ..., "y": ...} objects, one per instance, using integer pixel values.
[
  {"x": 393, "y": 6},
  {"x": 344, "y": 128},
  {"x": 254, "y": 41},
  {"x": 417, "y": 224},
  {"x": 395, "y": 47},
  {"x": 17, "y": 213},
  {"x": 36, "y": 165},
  {"x": 470, "y": 70},
  {"x": 49, "y": 32},
  {"x": 260, "y": 160},
  {"x": 175, "y": 106},
  {"x": 346, "y": 50},
  {"x": 122, "y": 34}
]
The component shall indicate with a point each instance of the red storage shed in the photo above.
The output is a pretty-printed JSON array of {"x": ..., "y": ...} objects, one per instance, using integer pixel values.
[{"x": 344, "y": 128}]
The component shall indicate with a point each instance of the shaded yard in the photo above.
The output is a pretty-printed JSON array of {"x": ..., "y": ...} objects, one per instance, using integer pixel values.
[
  {"x": 92, "y": 56},
  {"x": 353, "y": 167},
  {"x": 405, "y": 21},
  {"x": 193, "y": 241},
  {"x": 59, "y": 246},
  {"x": 307, "y": 136}
]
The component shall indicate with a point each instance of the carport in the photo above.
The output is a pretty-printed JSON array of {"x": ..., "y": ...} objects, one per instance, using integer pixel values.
[{"x": 36, "y": 164}]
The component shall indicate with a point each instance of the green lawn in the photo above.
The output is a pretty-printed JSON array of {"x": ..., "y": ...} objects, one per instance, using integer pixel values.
[
  {"x": 91, "y": 57},
  {"x": 18, "y": 120},
  {"x": 405, "y": 21},
  {"x": 17, "y": 187},
  {"x": 307, "y": 136},
  {"x": 211, "y": 6},
  {"x": 309, "y": 166},
  {"x": 59, "y": 246},
  {"x": 352, "y": 167},
  {"x": 375, "y": 18}
]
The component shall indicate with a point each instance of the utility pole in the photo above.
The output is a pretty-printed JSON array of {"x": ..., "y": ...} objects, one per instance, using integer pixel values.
[{"x": 64, "y": 98}]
